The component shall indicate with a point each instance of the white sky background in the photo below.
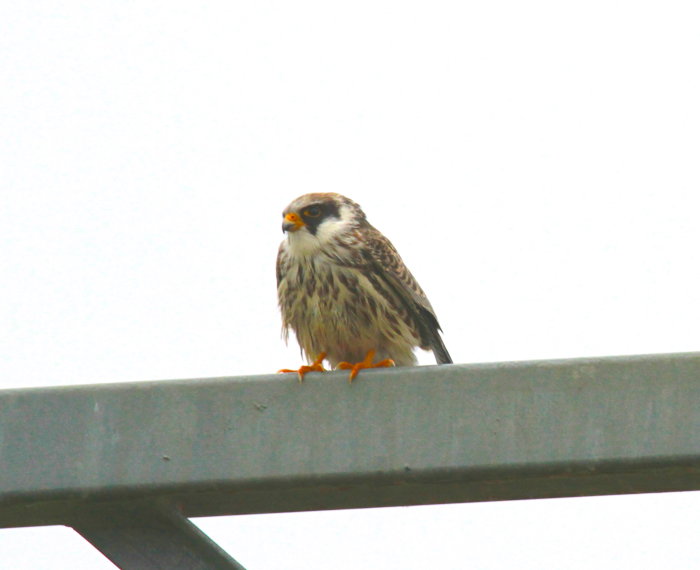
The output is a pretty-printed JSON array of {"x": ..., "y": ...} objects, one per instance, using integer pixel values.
[{"x": 536, "y": 164}]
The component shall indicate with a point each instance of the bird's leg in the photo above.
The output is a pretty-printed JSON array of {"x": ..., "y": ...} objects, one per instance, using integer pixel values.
[
  {"x": 315, "y": 366},
  {"x": 366, "y": 363}
]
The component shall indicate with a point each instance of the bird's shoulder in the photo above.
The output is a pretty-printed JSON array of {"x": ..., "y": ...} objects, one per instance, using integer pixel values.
[{"x": 385, "y": 258}]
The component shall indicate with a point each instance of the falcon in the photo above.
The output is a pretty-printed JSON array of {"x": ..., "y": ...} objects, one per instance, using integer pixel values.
[{"x": 345, "y": 292}]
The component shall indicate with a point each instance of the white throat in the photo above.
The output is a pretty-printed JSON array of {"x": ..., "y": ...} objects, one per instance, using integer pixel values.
[{"x": 303, "y": 244}]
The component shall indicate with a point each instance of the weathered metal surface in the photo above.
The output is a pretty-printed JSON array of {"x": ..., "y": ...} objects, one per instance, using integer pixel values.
[{"x": 394, "y": 437}]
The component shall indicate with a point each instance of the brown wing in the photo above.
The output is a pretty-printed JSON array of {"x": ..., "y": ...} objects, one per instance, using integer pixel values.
[
  {"x": 280, "y": 264},
  {"x": 386, "y": 263}
]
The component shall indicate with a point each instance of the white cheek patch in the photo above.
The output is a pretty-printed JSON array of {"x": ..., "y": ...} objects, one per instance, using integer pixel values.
[
  {"x": 303, "y": 243},
  {"x": 329, "y": 229}
]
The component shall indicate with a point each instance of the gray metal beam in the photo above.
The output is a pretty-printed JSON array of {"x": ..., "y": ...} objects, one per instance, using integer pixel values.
[
  {"x": 151, "y": 537},
  {"x": 407, "y": 436}
]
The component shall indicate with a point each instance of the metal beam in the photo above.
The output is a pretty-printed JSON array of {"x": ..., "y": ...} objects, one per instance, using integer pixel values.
[
  {"x": 148, "y": 537},
  {"x": 407, "y": 436}
]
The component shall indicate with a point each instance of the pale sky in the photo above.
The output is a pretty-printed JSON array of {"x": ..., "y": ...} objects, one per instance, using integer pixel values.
[{"x": 536, "y": 165}]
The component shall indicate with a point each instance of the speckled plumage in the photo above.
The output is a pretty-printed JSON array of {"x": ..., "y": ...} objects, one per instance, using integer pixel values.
[{"x": 344, "y": 290}]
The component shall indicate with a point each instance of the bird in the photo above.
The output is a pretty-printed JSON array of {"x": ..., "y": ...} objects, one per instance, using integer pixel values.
[{"x": 346, "y": 293}]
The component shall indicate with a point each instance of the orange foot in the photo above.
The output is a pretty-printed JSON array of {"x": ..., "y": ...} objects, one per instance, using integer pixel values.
[
  {"x": 366, "y": 363},
  {"x": 315, "y": 366}
]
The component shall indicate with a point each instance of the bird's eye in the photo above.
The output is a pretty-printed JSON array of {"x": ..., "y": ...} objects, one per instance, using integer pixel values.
[{"x": 312, "y": 212}]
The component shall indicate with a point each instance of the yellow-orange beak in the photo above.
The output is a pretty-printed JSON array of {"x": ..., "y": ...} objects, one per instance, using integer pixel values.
[{"x": 292, "y": 222}]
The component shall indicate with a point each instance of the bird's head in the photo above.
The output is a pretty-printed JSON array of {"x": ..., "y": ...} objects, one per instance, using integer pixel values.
[{"x": 313, "y": 220}]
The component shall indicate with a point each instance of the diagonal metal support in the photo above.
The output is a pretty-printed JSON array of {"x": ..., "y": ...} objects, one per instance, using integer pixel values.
[{"x": 152, "y": 538}]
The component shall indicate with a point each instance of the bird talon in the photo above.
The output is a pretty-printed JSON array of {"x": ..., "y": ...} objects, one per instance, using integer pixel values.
[
  {"x": 366, "y": 363},
  {"x": 315, "y": 366}
]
